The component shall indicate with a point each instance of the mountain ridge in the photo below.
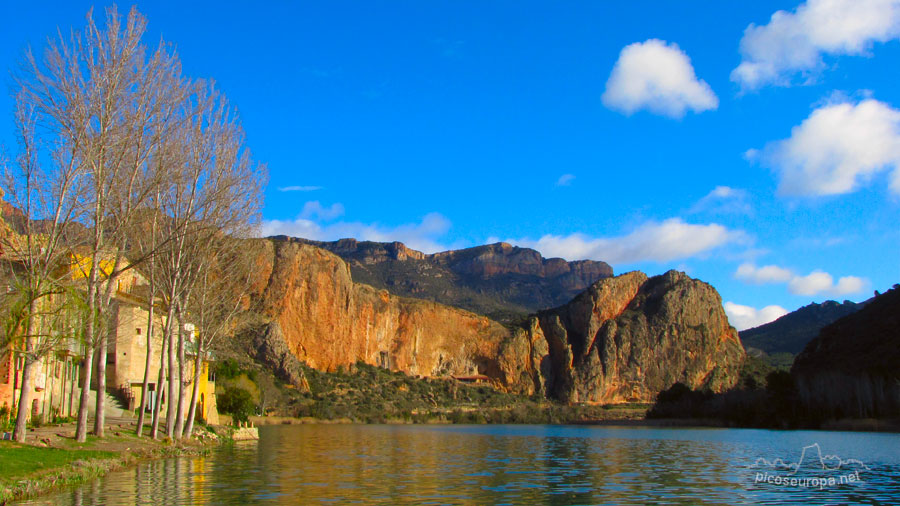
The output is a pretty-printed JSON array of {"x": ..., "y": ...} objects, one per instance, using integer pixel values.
[
  {"x": 501, "y": 281},
  {"x": 790, "y": 333}
]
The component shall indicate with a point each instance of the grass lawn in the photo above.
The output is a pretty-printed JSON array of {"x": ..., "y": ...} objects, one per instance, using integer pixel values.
[{"x": 21, "y": 461}]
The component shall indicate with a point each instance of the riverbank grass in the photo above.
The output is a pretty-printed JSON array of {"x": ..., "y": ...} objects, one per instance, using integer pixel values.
[
  {"x": 19, "y": 461},
  {"x": 57, "y": 460},
  {"x": 27, "y": 470}
]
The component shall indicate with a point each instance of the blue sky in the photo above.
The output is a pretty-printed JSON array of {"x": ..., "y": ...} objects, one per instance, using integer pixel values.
[{"x": 760, "y": 154}]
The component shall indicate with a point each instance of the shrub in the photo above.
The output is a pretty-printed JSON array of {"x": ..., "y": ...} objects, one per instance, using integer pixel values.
[{"x": 237, "y": 402}]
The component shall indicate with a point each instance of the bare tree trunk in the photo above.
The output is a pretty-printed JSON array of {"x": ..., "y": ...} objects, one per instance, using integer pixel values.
[
  {"x": 154, "y": 429},
  {"x": 25, "y": 396},
  {"x": 72, "y": 383},
  {"x": 24, "y": 400},
  {"x": 195, "y": 392},
  {"x": 16, "y": 381},
  {"x": 146, "y": 385},
  {"x": 170, "y": 409},
  {"x": 182, "y": 385},
  {"x": 111, "y": 283},
  {"x": 81, "y": 426},
  {"x": 47, "y": 408},
  {"x": 61, "y": 411},
  {"x": 84, "y": 400},
  {"x": 100, "y": 416}
]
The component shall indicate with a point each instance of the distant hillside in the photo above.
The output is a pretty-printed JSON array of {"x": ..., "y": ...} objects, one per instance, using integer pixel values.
[
  {"x": 791, "y": 332},
  {"x": 500, "y": 281},
  {"x": 852, "y": 369}
]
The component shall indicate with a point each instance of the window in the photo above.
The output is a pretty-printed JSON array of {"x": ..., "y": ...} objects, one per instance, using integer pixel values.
[{"x": 138, "y": 331}]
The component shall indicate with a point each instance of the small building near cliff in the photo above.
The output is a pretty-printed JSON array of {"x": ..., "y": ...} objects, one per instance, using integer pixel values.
[
  {"x": 473, "y": 378},
  {"x": 56, "y": 380}
]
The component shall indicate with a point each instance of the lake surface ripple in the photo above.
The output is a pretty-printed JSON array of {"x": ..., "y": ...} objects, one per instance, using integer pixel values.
[{"x": 515, "y": 464}]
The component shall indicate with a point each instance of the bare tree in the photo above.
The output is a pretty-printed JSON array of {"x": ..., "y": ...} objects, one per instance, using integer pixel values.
[
  {"x": 220, "y": 296},
  {"x": 36, "y": 254},
  {"x": 146, "y": 242},
  {"x": 140, "y": 140},
  {"x": 219, "y": 191},
  {"x": 103, "y": 94}
]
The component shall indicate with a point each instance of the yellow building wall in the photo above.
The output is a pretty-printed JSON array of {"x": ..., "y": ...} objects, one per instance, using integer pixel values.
[{"x": 206, "y": 394}]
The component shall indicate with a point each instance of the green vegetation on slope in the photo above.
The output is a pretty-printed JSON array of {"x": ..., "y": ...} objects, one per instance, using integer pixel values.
[
  {"x": 368, "y": 394},
  {"x": 852, "y": 369},
  {"x": 371, "y": 394}
]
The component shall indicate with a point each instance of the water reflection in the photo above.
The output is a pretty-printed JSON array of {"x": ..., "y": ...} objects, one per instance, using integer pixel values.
[{"x": 550, "y": 465}]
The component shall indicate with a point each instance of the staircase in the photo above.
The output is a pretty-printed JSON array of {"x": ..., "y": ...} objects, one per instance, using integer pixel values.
[{"x": 112, "y": 407}]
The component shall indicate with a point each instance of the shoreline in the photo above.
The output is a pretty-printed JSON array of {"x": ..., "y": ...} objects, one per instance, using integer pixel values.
[
  {"x": 848, "y": 425},
  {"x": 119, "y": 450}
]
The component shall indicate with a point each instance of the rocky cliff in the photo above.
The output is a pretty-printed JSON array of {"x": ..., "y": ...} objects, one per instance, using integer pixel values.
[
  {"x": 623, "y": 339},
  {"x": 328, "y": 321},
  {"x": 627, "y": 338},
  {"x": 498, "y": 280}
]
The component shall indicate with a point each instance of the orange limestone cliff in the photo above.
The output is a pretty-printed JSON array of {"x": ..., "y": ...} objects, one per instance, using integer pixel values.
[
  {"x": 328, "y": 321},
  {"x": 625, "y": 338}
]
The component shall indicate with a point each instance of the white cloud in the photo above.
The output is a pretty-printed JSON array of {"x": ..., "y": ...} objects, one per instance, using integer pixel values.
[
  {"x": 565, "y": 180},
  {"x": 313, "y": 210},
  {"x": 299, "y": 188},
  {"x": 423, "y": 236},
  {"x": 813, "y": 283},
  {"x": 723, "y": 200},
  {"x": 794, "y": 43},
  {"x": 817, "y": 282},
  {"x": 837, "y": 148},
  {"x": 672, "y": 239},
  {"x": 764, "y": 274},
  {"x": 849, "y": 284},
  {"x": 658, "y": 77},
  {"x": 746, "y": 317}
]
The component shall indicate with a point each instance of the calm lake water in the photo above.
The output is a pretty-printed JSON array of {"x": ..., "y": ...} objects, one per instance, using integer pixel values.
[{"x": 515, "y": 464}]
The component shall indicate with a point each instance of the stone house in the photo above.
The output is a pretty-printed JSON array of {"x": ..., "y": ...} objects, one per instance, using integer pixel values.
[{"x": 56, "y": 381}]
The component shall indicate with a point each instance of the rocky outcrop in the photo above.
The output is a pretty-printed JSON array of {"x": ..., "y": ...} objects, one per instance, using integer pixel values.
[
  {"x": 271, "y": 349},
  {"x": 626, "y": 339},
  {"x": 852, "y": 369},
  {"x": 499, "y": 280},
  {"x": 328, "y": 321},
  {"x": 623, "y": 339}
]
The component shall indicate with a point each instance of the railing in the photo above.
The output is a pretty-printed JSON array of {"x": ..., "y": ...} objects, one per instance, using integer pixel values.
[{"x": 124, "y": 395}]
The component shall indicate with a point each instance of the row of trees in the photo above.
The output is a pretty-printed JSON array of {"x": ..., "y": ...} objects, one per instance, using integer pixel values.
[{"x": 123, "y": 162}]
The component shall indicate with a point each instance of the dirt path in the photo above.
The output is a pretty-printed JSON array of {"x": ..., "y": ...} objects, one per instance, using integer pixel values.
[{"x": 119, "y": 436}]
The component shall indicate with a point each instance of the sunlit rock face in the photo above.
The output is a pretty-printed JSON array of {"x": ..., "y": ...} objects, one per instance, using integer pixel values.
[
  {"x": 625, "y": 338},
  {"x": 500, "y": 281},
  {"x": 328, "y": 321}
]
